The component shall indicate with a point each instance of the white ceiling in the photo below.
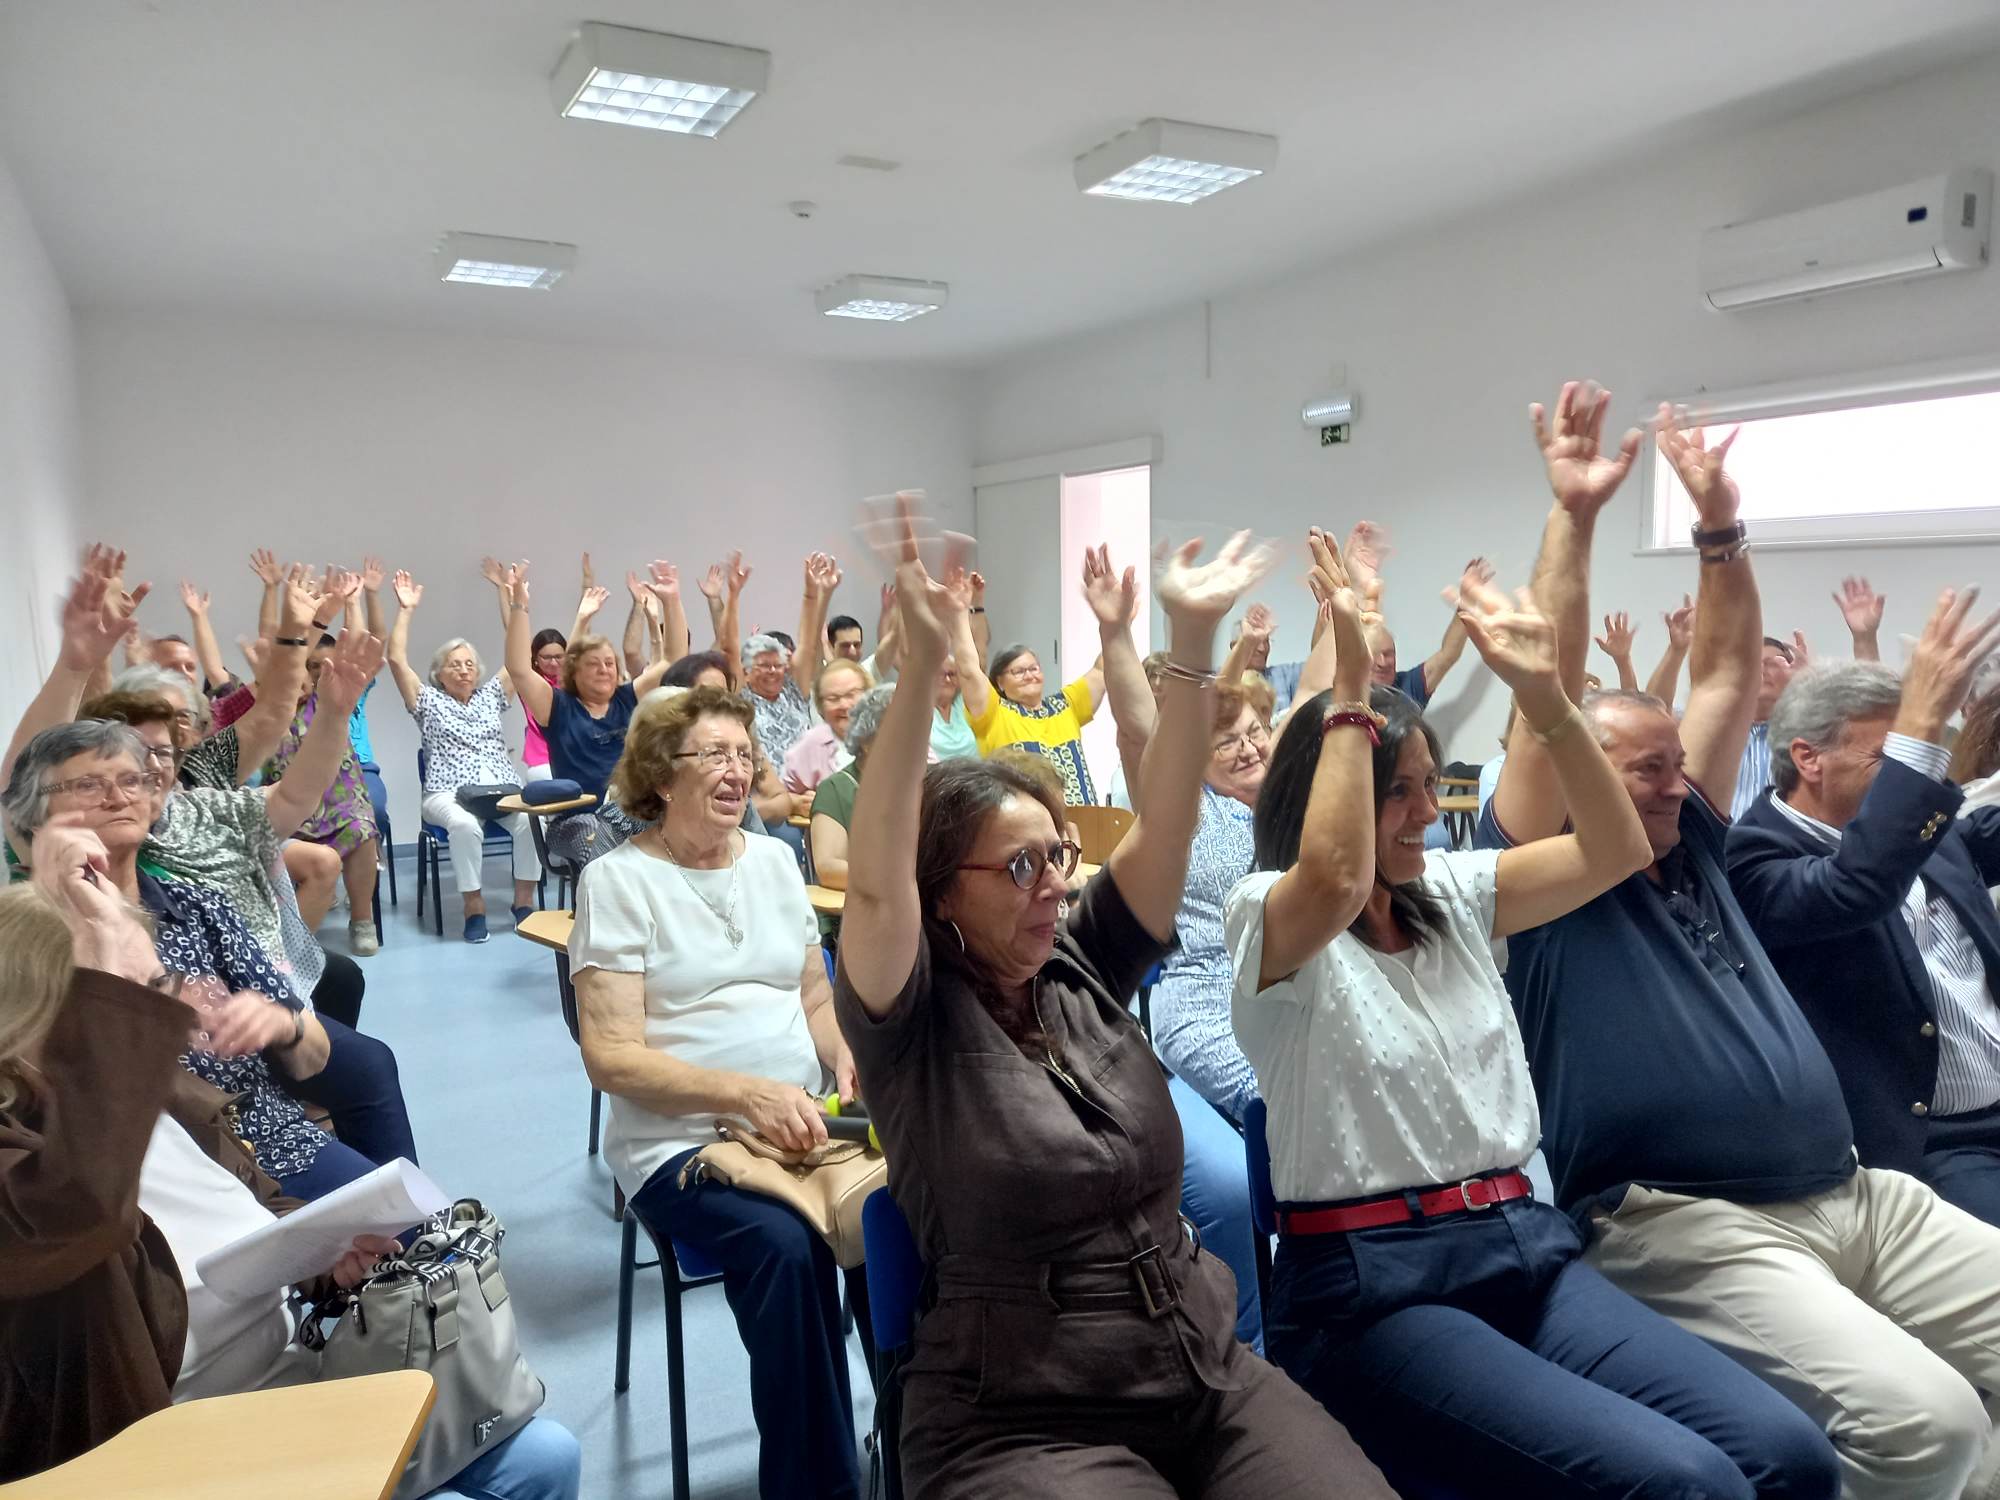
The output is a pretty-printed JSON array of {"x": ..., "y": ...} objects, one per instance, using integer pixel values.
[{"x": 300, "y": 158}]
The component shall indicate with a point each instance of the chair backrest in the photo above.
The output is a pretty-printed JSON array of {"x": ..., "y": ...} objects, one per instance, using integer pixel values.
[
  {"x": 895, "y": 1270},
  {"x": 1099, "y": 829},
  {"x": 1257, "y": 1156}
]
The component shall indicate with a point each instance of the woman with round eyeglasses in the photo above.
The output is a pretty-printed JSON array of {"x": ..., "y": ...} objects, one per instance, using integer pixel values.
[
  {"x": 1078, "y": 1340},
  {"x": 702, "y": 994}
]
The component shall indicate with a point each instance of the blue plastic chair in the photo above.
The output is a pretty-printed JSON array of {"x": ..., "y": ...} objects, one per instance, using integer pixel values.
[
  {"x": 433, "y": 845},
  {"x": 895, "y": 1285}
]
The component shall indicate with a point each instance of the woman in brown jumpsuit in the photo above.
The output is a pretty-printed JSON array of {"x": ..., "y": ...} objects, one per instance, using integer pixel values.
[{"x": 1077, "y": 1342}]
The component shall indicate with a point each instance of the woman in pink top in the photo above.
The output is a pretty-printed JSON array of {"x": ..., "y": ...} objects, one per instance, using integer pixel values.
[
  {"x": 548, "y": 649},
  {"x": 821, "y": 750}
]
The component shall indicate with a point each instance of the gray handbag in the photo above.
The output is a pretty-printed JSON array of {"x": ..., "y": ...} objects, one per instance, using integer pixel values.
[{"x": 441, "y": 1306}]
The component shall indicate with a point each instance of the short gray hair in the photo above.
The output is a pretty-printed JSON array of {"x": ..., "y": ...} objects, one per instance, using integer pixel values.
[
  {"x": 1818, "y": 703},
  {"x": 865, "y": 722},
  {"x": 438, "y": 656},
  {"x": 25, "y": 803},
  {"x": 158, "y": 682},
  {"x": 1595, "y": 702},
  {"x": 757, "y": 645}
]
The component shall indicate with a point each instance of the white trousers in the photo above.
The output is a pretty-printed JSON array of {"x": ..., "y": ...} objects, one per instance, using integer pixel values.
[
  {"x": 1875, "y": 1308},
  {"x": 468, "y": 841}
]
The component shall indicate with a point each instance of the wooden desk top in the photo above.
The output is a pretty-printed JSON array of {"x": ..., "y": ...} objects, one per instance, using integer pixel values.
[
  {"x": 514, "y": 804},
  {"x": 329, "y": 1440},
  {"x": 828, "y": 903},
  {"x": 800, "y": 820},
  {"x": 549, "y": 929},
  {"x": 1465, "y": 803}
]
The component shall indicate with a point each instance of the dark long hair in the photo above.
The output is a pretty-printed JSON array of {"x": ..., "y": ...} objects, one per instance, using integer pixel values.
[
  {"x": 1281, "y": 806},
  {"x": 959, "y": 797}
]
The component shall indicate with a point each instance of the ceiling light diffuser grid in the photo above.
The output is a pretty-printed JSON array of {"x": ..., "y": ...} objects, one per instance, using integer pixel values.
[
  {"x": 1169, "y": 161},
  {"x": 656, "y": 82},
  {"x": 881, "y": 299},
  {"x": 495, "y": 260}
]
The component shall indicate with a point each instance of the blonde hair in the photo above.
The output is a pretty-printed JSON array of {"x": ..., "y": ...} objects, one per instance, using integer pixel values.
[
  {"x": 36, "y": 963},
  {"x": 655, "y": 736},
  {"x": 575, "y": 652},
  {"x": 838, "y": 664}
]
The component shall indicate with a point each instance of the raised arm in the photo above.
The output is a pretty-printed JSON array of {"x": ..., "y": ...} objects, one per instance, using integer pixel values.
[
  {"x": 888, "y": 648},
  {"x": 1252, "y": 644},
  {"x": 1319, "y": 897},
  {"x": 1114, "y": 598},
  {"x": 982, "y": 632},
  {"x": 1665, "y": 682},
  {"x": 409, "y": 594},
  {"x": 973, "y": 686},
  {"x": 1438, "y": 665},
  {"x": 1538, "y": 882},
  {"x": 346, "y": 674},
  {"x": 1725, "y": 662},
  {"x": 632, "y": 649},
  {"x": 1616, "y": 643},
  {"x": 882, "y": 919},
  {"x": 373, "y": 575},
  {"x": 207, "y": 649},
  {"x": 271, "y": 573},
  {"x": 822, "y": 578},
  {"x": 588, "y": 604},
  {"x": 1528, "y": 803},
  {"x": 1861, "y": 607},
  {"x": 491, "y": 570},
  {"x": 91, "y": 630},
  {"x": 728, "y": 617},
  {"x": 281, "y": 676},
  {"x": 535, "y": 693},
  {"x": 665, "y": 581}
]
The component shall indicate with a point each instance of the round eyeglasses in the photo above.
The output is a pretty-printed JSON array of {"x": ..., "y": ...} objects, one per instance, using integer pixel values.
[{"x": 1027, "y": 865}]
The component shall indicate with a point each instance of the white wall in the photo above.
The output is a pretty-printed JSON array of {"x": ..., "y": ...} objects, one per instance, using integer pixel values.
[
  {"x": 39, "y": 483},
  {"x": 210, "y": 437},
  {"x": 1449, "y": 336}
]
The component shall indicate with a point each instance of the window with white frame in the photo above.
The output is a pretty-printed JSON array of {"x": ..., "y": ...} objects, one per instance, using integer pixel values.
[{"x": 1902, "y": 456}]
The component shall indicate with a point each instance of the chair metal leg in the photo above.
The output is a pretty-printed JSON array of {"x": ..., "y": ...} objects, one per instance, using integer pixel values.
[
  {"x": 437, "y": 889},
  {"x": 423, "y": 846},
  {"x": 677, "y": 1413},
  {"x": 628, "y": 1255},
  {"x": 375, "y": 902},
  {"x": 596, "y": 1112},
  {"x": 388, "y": 856}
]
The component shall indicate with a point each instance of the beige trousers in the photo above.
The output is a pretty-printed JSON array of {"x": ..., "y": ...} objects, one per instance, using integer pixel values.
[{"x": 1875, "y": 1308}]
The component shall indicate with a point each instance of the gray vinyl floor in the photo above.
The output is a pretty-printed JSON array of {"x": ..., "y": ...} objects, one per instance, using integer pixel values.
[{"x": 501, "y": 1108}]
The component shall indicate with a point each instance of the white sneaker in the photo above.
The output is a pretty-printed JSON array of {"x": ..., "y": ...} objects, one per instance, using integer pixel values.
[{"x": 363, "y": 938}]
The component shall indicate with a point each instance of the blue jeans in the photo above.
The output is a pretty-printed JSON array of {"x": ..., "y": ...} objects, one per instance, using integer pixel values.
[
  {"x": 540, "y": 1462},
  {"x": 1215, "y": 1195},
  {"x": 1477, "y": 1350},
  {"x": 336, "y": 1165},
  {"x": 784, "y": 1288},
  {"x": 363, "y": 1091}
]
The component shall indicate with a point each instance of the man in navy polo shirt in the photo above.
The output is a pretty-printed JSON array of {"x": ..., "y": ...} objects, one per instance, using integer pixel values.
[
  {"x": 1857, "y": 864},
  {"x": 1694, "y": 1123}
]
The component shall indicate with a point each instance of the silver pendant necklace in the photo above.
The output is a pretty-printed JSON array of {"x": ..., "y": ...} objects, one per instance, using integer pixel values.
[{"x": 725, "y": 915}]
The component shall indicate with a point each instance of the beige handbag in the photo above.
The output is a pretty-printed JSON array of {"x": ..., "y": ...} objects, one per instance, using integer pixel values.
[{"x": 826, "y": 1186}]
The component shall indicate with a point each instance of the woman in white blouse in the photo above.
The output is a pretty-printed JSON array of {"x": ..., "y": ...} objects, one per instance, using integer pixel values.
[
  {"x": 1419, "y": 1291},
  {"x": 458, "y": 718},
  {"x": 702, "y": 993}
]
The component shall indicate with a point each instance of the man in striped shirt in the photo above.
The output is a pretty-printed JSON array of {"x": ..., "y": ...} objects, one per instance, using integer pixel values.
[
  {"x": 1753, "y": 772},
  {"x": 1869, "y": 895}
]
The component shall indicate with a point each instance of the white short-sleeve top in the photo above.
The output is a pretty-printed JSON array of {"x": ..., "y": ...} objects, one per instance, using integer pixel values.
[
  {"x": 1387, "y": 1071},
  {"x": 464, "y": 743},
  {"x": 707, "y": 1003}
]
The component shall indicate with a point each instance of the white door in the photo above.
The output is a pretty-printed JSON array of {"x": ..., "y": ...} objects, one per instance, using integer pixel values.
[{"x": 1019, "y": 523}]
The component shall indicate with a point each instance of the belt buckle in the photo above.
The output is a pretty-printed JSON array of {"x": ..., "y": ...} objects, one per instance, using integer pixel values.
[
  {"x": 1465, "y": 1193},
  {"x": 1156, "y": 1306}
]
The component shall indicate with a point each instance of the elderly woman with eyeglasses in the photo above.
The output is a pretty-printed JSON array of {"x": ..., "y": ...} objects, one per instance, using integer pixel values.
[
  {"x": 702, "y": 994},
  {"x": 1077, "y": 1340},
  {"x": 458, "y": 720}
]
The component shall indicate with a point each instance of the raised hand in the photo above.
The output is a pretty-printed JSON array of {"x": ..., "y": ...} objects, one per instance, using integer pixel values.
[
  {"x": 589, "y": 576},
  {"x": 978, "y": 587},
  {"x": 1341, "y": 606},
  {"x": 1366, "y": 551},
  {"x": 372, "y": 574},
  {"x": 888, "y": 596},
  {"x": 1801, "y": 653},
  {"x": 1616, "y": 642},
  {"x": 592, "y": 601},
  {"x": 491, "y": 570},
  {"x": 712, "y": 582},
  {"x": 409, "y": 593},
  {"x": 91, "y": 628},
  {"x": 1259, "y": 624},
  {"x": 264, "y": 563},
  {"x": 1479, "y": 570},
  {"x": 664, "y": 578},
  {"x": 1202, "y": 593},
  {"x": 1941, "y": 667},
  {"x": 1860, "y": 606},
  {"x": 1112, "y": 597},
  {"x": 823, "y": 575},
  {"x": 193, "y": 600},
  {"x": 735, "y": 573},
  {"x": 1700, "y": 467},
  {"x": 356, "y": 658},
  {"x": 298, "y": 607},
  {"x": 927, "y": 607},
  {"x": 635, "y": 586},
  {"x": 1514, "y": 638},
  {"x": 341, "y": 586},
  {"x": 514, "y": 583},
  {"x": 1581, "y": 475},
  {"x": 1680, "y": 625}
]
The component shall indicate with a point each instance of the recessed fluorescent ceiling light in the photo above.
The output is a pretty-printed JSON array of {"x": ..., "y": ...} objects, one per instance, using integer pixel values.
[
  {"x": 494, "y": 260},
  {"x": 1168, "y": 161},
  {"x": 882, "y": 299},
  {"x": 656, "y": 81}
]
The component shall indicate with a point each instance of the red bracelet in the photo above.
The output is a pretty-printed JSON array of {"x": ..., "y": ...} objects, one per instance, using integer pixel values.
[{"x": 1356, "y": 718}]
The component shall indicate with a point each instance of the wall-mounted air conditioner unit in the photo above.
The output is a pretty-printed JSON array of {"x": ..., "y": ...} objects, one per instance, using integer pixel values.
[{"x": 1919, "y": 229}]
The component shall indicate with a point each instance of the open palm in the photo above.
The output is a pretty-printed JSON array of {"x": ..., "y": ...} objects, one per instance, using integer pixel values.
[
  {"x": 1581, "y": 475},
  {"x": 1113, "y": 597},
  {"x": 1205, "y": 592},
  {"x": 1514, "y": 638},
  {"x": 409, "y": 593},
  {"x": 1701, "y": 467}
]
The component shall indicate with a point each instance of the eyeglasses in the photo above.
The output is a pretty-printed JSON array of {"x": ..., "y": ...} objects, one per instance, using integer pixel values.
[
  {"x": 1026, "y": 867},
  {"x": 96, "y": 788},
  {"x": 721, "y": 758},
  {"x": 1233, "y": 744},
  {"x": 164, "y": 754}
]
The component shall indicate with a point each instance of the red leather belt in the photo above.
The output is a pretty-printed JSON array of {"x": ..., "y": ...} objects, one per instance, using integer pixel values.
[{"x": 1469, "y": 1196}]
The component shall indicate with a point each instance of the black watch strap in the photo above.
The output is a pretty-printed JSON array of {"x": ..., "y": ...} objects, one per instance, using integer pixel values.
[
  {"x": 291, "y": 640},
  {"x": 1723, "y": 536}
]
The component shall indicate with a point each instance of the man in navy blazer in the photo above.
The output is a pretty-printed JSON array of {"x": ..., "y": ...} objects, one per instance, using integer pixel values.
[{"x": 1870, "y": 896}]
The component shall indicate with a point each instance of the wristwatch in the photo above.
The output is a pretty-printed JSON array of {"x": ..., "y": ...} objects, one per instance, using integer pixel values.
[{"x": 1722, "y": 536}]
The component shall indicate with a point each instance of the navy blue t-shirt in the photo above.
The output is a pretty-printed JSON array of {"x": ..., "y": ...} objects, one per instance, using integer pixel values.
[
  {"x": 583, "y": 749},
  {"x": 1410, "y": 682},
  {"x": 1665, "y": 1049},
  {"x": 1284, "y": 679}
]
